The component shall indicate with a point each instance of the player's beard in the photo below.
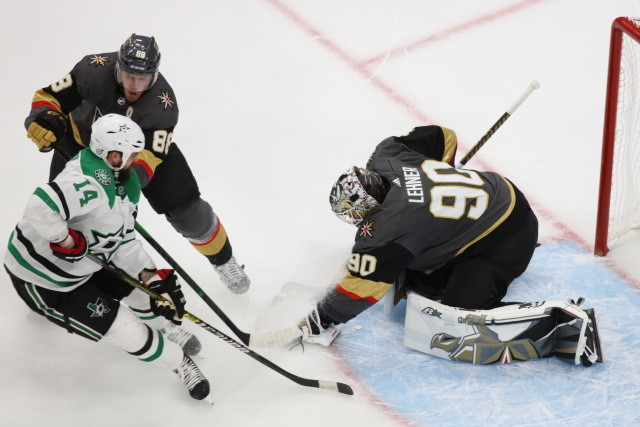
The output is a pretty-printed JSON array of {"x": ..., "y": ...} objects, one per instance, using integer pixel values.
[{"x": 124, "y": 175}]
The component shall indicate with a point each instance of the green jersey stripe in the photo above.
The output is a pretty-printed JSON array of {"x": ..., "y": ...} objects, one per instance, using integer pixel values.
[
  {"x": 46, "y": 199},
  {"x": 51, "y": 312},
  {"x": 158, "y": 352},
  {"x": 23, "y": 262}
]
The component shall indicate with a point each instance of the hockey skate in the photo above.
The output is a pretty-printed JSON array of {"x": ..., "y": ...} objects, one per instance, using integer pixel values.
[
  {"x": 193, "y": 379},
  {"x": 190, "y": 343},
  {"x": 315, "y": 332},
  {"x": 233, "y": 276}
]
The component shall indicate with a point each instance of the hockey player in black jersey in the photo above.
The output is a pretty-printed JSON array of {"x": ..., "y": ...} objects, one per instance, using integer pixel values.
[
  {"x": 128, "y": 82},
  {"x": 455, "y": 236}
]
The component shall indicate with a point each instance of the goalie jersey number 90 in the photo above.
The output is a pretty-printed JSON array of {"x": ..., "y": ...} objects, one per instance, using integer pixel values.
[{"x": 362, "y": 264}]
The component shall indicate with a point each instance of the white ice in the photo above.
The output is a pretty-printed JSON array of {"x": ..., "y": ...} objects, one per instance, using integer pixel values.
[{"x": 277, "y": 97}]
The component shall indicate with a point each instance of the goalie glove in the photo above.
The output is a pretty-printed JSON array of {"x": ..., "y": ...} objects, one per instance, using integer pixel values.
[
  {"x": 47, "y": 127},
  {"x": 317, "y": 331},
  {"x": 73, "y": 248},
  {"x": 165, "y": 283}
]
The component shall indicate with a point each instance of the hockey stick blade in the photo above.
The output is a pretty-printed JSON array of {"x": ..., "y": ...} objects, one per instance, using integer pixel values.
[
  {"x": 275, "y": 338},
  {"x": 269, "y": 339},
  {"x": 327, "y": 385},
  {"x": 307, "y": 382}
]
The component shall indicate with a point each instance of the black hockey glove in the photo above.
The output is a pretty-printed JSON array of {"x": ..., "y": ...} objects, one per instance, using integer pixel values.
[
  {"x": 72, "y": 254},
  {"x": 47, "y": 127},
  {"x": 166, "y": 284}
]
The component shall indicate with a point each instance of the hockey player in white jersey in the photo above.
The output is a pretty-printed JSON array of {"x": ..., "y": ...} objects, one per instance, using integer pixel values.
[{"x": 90, "y": 208}]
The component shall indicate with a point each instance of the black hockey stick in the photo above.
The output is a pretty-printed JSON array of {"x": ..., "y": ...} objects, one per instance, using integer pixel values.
[
  {"x": 532, "y": 86},
  {"x": 267, "y": 339},
  {"x": 327, "y": 385}
]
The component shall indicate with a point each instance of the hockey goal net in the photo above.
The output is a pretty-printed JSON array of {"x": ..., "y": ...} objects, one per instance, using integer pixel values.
[{"x": 619, "y": 198}]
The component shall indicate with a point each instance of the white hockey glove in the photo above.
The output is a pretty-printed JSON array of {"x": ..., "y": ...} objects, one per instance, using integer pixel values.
[{"x": 316, "y": 332}]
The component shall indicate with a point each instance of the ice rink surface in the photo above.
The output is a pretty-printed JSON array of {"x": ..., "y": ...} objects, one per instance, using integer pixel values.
[{"x": 277, "y": 98}]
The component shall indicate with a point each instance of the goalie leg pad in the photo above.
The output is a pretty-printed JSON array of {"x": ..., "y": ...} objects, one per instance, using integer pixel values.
[{"x": 506, "y": 334}]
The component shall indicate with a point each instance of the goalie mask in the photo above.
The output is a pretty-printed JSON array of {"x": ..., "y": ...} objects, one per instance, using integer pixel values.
[
  {"x": 356, "y": 193},
  {"x": 114, "y": 132}
]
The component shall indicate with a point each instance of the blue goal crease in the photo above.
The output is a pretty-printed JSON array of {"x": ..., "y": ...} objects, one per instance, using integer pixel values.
[{"x": 428, "y": 390}]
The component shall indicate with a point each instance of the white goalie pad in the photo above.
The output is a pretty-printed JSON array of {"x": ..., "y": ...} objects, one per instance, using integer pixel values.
[{"x": 506, "y": 334}]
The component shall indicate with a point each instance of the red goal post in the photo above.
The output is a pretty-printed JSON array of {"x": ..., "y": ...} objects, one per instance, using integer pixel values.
[{"x": 619, "y": 196}]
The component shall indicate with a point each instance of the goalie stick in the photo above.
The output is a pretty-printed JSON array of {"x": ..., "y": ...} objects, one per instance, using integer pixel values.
[
  {"x": 327, "y": 385},
  {"x": 532, "y": 86},
  {"x": 266, "y": 339}
]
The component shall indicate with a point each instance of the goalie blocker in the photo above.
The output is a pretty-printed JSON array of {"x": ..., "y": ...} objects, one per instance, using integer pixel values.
[{"x": 506, "y": 334}]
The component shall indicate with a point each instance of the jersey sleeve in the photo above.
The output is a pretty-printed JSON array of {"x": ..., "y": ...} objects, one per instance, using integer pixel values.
[
  {"x": 371, "y": 273},
  {"x": 52, "y": 205},
  {"x": 157, "y": 114},
  {"x": 62, "y": 96},
  {"x": 435, "y": 142},
  {"x": 131, "y": 257}
]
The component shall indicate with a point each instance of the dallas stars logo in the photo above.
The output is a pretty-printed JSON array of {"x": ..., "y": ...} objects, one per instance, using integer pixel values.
[
  {"x": 104, "y": 245},
  {"x": 98, "y": 308},
  {"x": 165, "y": 99},
  {"x": 124, "y": 128},
  {"x": 99, "y": 60},
  {"x": 103, "y": 176},
  {"x": 366, "y": 229}
]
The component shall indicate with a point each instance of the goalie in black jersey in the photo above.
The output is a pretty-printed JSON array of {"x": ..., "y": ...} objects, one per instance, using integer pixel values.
[
  {"x": 455, "y": 236},
  {"x": 128, "y": 82}
]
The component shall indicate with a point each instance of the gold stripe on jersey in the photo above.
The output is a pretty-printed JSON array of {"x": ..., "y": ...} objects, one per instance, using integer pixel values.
[
  {"x": 76, "y": 132},
  {"x": 450, "y": 144},
  {"x": 42, "y": 96},
  {"x": 359, "y": 288},
  {"x": 151, "y": 161},
  {"x": 495, "y": 225},
  {"x": 215, "y": 244}
]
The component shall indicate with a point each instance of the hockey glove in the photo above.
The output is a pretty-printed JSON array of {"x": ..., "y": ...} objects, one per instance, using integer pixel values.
[
  {"x": 165, "y": 283},
  {"x": 72, "y": 249},
  {"x": 46, "y": 128}
]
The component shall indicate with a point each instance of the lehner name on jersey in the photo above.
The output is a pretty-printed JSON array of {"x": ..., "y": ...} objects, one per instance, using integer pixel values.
[{"x": 413, "y": 184}]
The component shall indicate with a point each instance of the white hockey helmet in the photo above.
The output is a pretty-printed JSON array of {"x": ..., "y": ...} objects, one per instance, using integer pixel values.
[
  {"x": 352, "y": 196},
  {"x": 114, "y": 132}
]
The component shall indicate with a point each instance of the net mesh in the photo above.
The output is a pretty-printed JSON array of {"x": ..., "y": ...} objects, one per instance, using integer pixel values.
[{"x": 624, "y": 215}]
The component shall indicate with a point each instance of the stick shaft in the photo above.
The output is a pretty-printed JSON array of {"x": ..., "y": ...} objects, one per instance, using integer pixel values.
[
  {"x": 532, "y": 86},
  {"x": 243, "y": 336},
  {"x": 328, "y": 385}
]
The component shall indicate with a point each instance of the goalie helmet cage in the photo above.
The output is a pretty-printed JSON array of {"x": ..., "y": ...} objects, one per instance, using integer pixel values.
[{"x": 619, "y": 193}]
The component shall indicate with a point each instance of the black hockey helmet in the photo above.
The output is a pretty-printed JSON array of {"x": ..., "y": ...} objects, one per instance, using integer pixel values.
[{"x": 139, "y": 55}]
